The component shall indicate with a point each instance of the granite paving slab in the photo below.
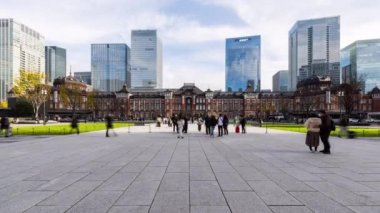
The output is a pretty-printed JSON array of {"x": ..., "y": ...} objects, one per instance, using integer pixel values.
[{"x": 144, "y": 172}]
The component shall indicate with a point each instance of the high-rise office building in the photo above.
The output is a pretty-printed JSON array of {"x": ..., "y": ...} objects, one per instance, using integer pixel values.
[
  {"x": 243, "y": 63},
  {"x": 83, "y": 76},
  {"x": 110, "y": 66},
  {"x": 280, "y": 81},
  {"x": 360, "y": 61},
  {"x": 314, "y": 47},
  {"x": 21, "y": 48},
  {"x": 146, "y": 59},
  {"x": 55, "y": 63}
]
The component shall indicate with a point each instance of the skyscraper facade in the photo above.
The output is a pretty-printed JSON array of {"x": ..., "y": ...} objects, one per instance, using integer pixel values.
[
  {"x": 360, "y": 61},
  {"x": 280, "y": 81},
  {"x": 314, "y": 49},
  {"x": 146, "y": 59},
  {"x": 21, "y": 48},
  {"x": 110, "y": 66},
  {"x": 83, "y": 76},
  {"x": 243, "y": 63},
  {"x": 55, "y": 63}
]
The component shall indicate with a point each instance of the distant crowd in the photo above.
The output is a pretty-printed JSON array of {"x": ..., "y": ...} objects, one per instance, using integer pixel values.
[{"x": 180, "y": 124}]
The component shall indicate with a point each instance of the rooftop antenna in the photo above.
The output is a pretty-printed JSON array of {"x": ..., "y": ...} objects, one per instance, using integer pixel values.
[{"x": 70, "y": 70}]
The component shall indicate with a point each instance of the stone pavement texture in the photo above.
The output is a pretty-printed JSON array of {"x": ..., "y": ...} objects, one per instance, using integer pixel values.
[{"x": 156, "y": 172}]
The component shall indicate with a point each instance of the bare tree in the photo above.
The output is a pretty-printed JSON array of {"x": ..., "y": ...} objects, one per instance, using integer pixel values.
[
  {"x": 72, "y": 95},
  {"x": 351, "y": 95}
]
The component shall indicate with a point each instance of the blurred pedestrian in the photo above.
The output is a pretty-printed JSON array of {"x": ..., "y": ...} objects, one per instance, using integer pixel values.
[
  {"x": 109, "y": 125},
  {"x": 213, "y": 123},
  {"x": 199, "y": 123},
  {"x": 5, "y": 126},
  {"x": 74, "y": 125},
  {"x": 181, "y": 123},
  {"x": 243, "y": 122},
  {"x": 326, "y": 127},
  {"x": 312, "y": 125},
  {"x": 220, "y": 125},
  {"x": 343, "y": 130},
  {"x": 186, "y": 124},
  {"x": 207, "y": 124},
  {"x": 225, "y": 124},
  {"x": 175, "y": 123}
]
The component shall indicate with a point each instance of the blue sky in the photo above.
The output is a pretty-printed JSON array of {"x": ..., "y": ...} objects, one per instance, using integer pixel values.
[{"x": 193, "y": 31}]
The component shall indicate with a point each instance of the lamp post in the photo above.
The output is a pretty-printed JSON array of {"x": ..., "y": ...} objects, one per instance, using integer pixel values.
[
  {"x": 44, "y": 93},
  {"x": 55, "y": 101},
  {"x": 340, "y": 95}
]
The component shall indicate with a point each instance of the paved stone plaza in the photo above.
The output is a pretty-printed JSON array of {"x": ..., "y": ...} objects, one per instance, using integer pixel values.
[{"x": 156, "y": 172}]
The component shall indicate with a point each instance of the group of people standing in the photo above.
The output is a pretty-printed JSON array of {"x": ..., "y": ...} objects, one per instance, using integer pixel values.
[
  {"x": 319, "y": 126},
  {"x": 211, "y": 122}
]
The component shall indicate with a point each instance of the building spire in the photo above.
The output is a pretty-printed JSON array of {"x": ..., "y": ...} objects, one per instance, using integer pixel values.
[{"x": 71, "y": 72}]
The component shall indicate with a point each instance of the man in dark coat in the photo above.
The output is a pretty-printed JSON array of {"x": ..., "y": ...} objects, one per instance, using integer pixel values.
[
  {"x": 207, "y": 124},
  {"x": 325, "y": 130},
  {"x": 175, "y": 123},
  {"x": 109, "y": 125},
  {"x": 243, "y": 122},
  {"x": 74, "y": 125},
  {"x": 5, "y": 125},
  {"x": 213, "y": 122},
  {"x": 186, "y": 124}
]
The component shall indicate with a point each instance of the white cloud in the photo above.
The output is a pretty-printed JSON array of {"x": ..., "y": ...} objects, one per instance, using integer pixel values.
[{"x": 193, "y": 51}]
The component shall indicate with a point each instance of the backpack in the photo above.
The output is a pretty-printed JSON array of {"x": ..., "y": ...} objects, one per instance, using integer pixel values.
[{"x": 332, "y": 125}]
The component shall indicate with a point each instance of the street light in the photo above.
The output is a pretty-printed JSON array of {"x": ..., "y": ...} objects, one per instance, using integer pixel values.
[
  {"x": 340, "y": 95},
  {"x": 44, "y": 92}
]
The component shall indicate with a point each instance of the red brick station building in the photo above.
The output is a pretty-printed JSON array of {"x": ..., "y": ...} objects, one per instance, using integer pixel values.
[{"x": 312, "y": 95}]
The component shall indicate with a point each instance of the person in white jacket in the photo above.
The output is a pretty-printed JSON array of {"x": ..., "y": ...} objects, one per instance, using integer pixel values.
[
  {"x": 312, "y": 125},
  {"x": 180, "y": 123}
]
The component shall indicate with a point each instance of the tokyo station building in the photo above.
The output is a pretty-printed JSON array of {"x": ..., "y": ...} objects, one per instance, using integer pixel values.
[{"x": 145, "y": 104}]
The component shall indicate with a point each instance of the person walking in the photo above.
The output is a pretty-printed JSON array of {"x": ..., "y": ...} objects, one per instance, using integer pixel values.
[
  {"x": 220, "y": 125},
  {"x": 5, "y": 125},
  {"x": 74, "y": 125},
  {"x": 243, "y": 122},
  {"x": 207, "y": 124},
  {"x": 181, "y": 123},
  {"x": 175, "y": 123},
  {"x": 186, "y": 124},
  {"x": 325, "y": 129},
  {"x": 109, "y": 125},
  {"x": 213, "y": 123},
  {"x": 225, "y": 124},
  {"x": 312, "y": 125},
  {"x": 343, "y": 130},
  {"x": 199, "y": 123}
]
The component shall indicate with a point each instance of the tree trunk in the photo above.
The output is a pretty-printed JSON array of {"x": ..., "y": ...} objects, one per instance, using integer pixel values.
[{"x": 36, "y": 109}]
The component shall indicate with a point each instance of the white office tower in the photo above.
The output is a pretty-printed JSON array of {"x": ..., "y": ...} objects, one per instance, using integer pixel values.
[
  {"x": 21, "y": 48},
  {"x": 146, "y": 59}
]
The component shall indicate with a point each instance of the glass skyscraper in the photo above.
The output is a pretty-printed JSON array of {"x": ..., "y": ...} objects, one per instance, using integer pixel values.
[
  {"x": 360, "y": 61},
  {"x": 314, "y": 47},
  {"x": 280, "y": 81},
  {"x": 243, "y": 63},
  {"x": 110, "y": 66},
  {"x": 83, "y": 76},
  {"x": 21, "y": 48},
  {"x": 55, "y": 63},
  {"x": 146, "y": 59}
]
